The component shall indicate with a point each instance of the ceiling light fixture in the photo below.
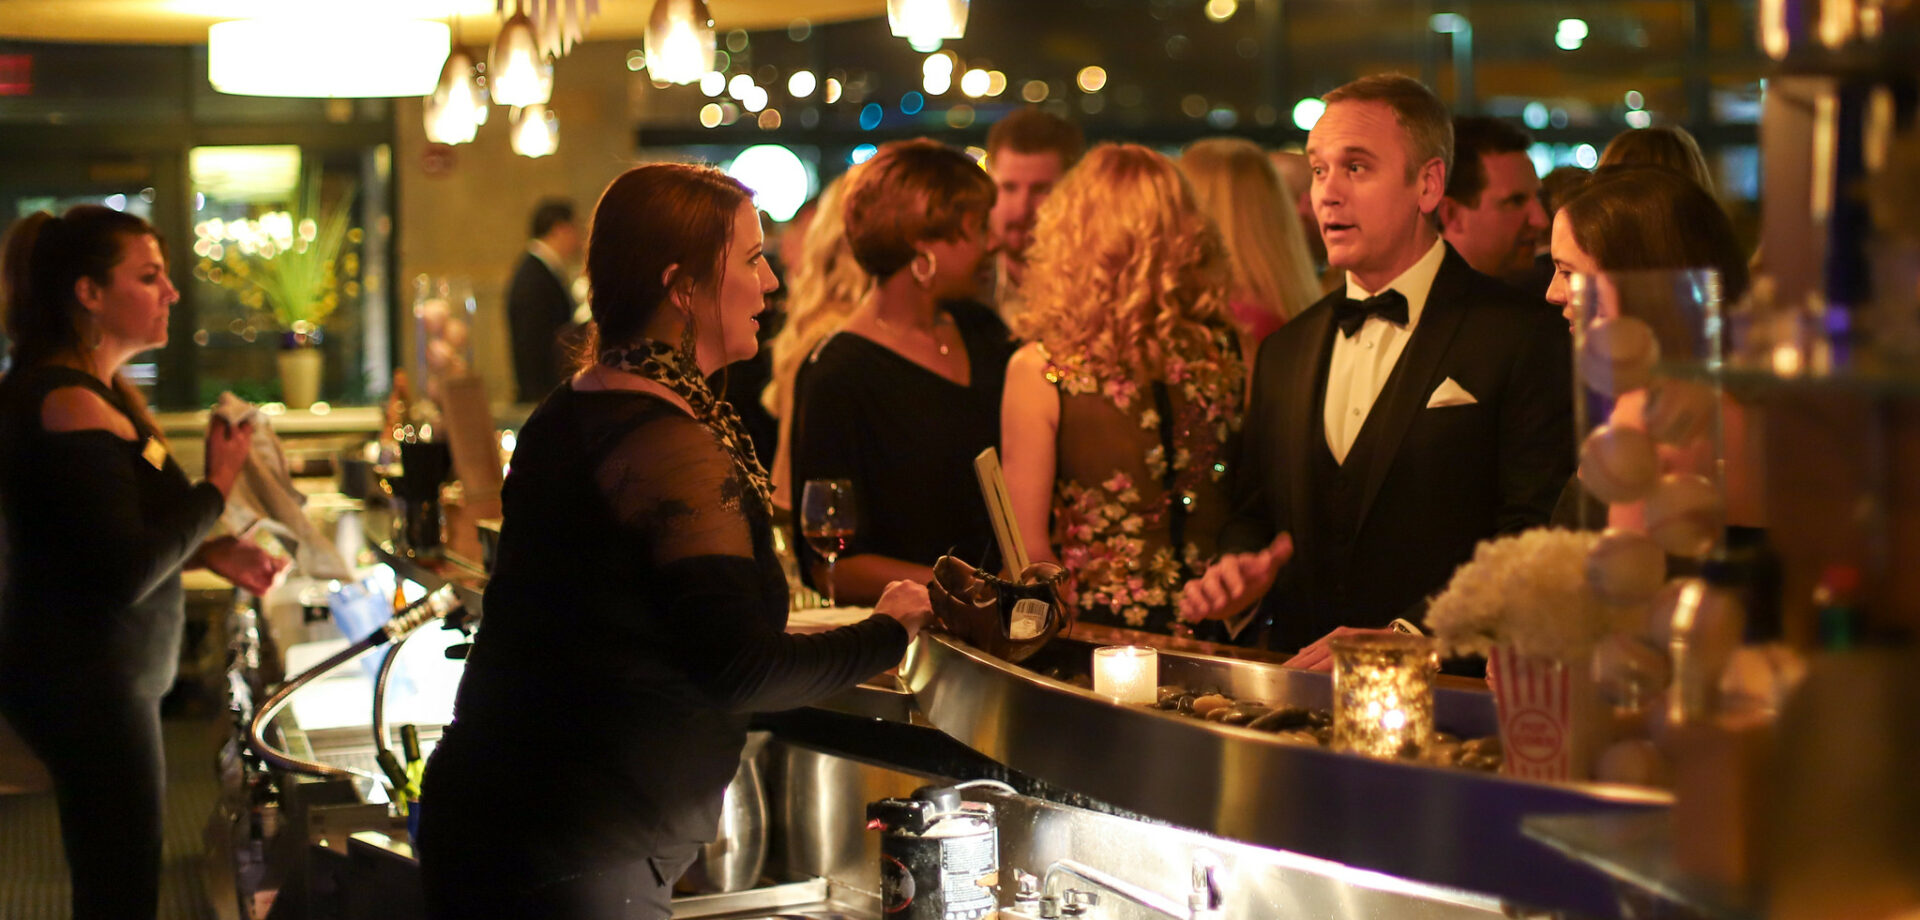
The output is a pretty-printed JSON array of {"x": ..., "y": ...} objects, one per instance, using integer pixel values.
[
  {"x": 325, "y": 58},
  {"x": 923, "y": 21},
  {"x": 518, "y": 72},
  {"x": 536, "y": 131},
  {"x": 458, "y": 105},
  {"x": 680, "y": 42}
]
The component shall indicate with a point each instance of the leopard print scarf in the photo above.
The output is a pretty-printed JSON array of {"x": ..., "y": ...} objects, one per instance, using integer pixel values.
[{"x": 674, "y": 369}]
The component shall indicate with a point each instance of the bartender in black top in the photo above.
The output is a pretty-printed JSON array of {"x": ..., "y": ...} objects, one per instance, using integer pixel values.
[
  {"x": 99, "y": 522},
  {"x": 636, "y": 613}
]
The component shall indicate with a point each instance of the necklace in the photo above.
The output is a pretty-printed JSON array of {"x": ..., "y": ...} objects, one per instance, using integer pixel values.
[{"x": 931, "y": 331}]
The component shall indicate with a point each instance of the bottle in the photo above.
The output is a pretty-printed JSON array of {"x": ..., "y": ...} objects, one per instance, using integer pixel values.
[
  {"x": 1836, "y": 599},
  {"x": 1763, "y": 671}
]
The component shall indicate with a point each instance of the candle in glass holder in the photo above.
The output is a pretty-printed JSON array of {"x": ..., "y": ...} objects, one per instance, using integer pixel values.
[
  {"x": 1126, "y": 673},
  {"x": 1382, "y": 694}
]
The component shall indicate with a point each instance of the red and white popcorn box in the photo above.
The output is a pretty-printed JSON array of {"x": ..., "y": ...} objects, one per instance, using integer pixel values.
[{"x": 1549, "y": 723}]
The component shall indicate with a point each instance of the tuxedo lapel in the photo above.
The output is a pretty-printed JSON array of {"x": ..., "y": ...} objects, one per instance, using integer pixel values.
[
  {"x": 1300, "y": 427},
  {"x": 1406, "y": 392}
]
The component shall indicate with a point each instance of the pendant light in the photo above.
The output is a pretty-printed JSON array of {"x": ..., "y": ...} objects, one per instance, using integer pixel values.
[
  {"x": 535, "y": 131},
  {"x": 679, "y": 41},
  {"x": 517, "y": 72},
  {"x": 458, "y": 105},
  {"x": 923, "y": 21},
  {"x": 324, "y": 57}
]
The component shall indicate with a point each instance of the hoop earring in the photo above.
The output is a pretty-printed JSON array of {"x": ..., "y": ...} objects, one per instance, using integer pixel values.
[{"x": 933, "y": 265}]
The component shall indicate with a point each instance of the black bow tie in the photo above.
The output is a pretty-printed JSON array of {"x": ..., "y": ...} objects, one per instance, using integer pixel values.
[{"x": 1351, "y": 314}]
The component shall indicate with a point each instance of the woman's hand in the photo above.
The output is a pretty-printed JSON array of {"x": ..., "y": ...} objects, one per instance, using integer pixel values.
[
  {"x": 245, "y": 563},
  {"x": 227, "y": 449},
  {"x": 906, "y": 602}
]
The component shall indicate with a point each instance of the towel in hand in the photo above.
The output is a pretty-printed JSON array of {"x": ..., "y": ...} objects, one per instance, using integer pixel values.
[{"x": 266, "y": 493}]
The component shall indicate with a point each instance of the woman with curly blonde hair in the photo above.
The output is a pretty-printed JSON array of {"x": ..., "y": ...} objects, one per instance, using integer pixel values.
[
  {"x": 1270, "y": 269},
  {"x": 825, "y": 287},
  {"x": 1116, "y": 413}
]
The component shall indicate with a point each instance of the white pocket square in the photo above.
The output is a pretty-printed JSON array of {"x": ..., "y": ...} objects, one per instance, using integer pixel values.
[{"x": 1449, "y": 393}]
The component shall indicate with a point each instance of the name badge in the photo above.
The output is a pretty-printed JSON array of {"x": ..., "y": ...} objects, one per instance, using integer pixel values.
[{"x": 154, "y": 453}]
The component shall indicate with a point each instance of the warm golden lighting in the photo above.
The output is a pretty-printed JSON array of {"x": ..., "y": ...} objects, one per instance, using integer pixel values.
[
  {"x": 926, "y": 21},
  {"x": 1034, "y": 91},
  {"x": 833, "y": 91},
  {"x": 996, "y": 83},
  {"x": 458, "y": 106},
  {"x": 1092, "y": 79},
  {"x": 710, "y": 115},
  {"x": 801, "y": 84},
  {"x": 974, "y": 83},
  {"x": 536, "y": 132},
  {"x": 517, "y": 73},
  {"x": 1382, "y": 694},
  {"x": 1222, "y": 10},
  {"x": 325, "y": 58},
  {"x": 1127, "y": 674},
  {"x": 680, "y": 42}
]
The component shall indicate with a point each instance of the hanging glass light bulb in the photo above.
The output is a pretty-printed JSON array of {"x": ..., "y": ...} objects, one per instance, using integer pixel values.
[
  {"x": 926, "y": 20},
  {"x": 679, "y": 41},
  {"x": 536, "y": 131},
  {"x": 517, "y": 71},
  {"x": 458, "y": 105}
]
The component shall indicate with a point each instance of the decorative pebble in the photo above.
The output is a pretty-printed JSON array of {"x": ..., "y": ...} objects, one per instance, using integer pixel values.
[
  {"x": 1618, "y": 464},
  {"x": 1619, "y": 355},
  {"x": 1684, "y": 514}
]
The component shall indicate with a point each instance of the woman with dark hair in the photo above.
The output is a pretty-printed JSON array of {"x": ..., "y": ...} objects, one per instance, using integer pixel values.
[
  {"x": 1633, "y": 219},
  {"x": 100, "y": 521},
  {"x": 636, "y": 612},
  {"x": 904, "y": 396}
]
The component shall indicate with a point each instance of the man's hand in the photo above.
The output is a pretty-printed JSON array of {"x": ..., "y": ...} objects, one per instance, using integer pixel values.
[
  {"x": 1319, "y": 655},
  {"x": 1234, "y": 582}
]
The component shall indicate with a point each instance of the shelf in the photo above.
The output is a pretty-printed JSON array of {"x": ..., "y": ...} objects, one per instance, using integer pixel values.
[{"x": 1636, "y": 848}]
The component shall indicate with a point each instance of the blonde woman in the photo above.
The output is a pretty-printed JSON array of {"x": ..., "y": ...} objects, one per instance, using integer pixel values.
[
  {"x": 826, "y": 285},
  {"x": 1117, "y": 411},
  {"x": 1271, "y": 270}
]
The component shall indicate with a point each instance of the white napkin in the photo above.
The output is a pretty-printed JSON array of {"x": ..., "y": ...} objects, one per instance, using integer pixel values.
[
  {"x": 266, "y": 493},
  {"x": 821, "y": 619},
  {"x": 1449, "y": 393}
]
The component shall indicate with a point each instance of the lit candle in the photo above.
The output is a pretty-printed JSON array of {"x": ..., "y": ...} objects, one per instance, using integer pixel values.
[
  {"x": 1126, "y": 673},
  {"x": 1382, "y": 694}
]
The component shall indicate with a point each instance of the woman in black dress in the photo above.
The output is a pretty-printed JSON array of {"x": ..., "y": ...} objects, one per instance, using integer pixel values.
[
  {"x": 636, "y": 613},
  {"x": 903, "y": 397},
  {"x": 100, "y": 522}
]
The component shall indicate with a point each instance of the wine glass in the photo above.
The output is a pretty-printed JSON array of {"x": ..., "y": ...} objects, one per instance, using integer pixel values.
[{"x": 827, "y": 520}]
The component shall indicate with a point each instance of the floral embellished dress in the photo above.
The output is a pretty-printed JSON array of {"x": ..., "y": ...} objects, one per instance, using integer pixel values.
[{"x": 1139, "y": 489}]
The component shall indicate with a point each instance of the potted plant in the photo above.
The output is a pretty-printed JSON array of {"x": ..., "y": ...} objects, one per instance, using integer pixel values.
[{"x": 293, "y": 266}]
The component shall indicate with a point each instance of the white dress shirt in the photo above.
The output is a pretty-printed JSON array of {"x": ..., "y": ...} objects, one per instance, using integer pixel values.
[{"x": 1361, "y": 364}]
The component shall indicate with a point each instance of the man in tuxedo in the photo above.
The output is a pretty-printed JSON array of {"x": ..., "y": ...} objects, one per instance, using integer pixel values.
[
  {"x": 1399, "y": 421},
  {"x": 540, "y": 300}
]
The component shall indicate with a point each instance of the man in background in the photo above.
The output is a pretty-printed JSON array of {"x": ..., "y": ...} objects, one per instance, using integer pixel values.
[
  {"x": 1027, "y": 153},
  {"x": 540, "y": 302},
  {"x": 1492, "y": 214},
  {"x": 1298, "y": 176}
]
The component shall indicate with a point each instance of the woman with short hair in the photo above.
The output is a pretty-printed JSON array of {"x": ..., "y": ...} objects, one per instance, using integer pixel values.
[{"x": 903, "y": 397}]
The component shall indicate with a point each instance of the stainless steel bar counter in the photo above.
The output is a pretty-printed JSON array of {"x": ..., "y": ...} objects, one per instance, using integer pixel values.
[{"x": 1427, "y": 835}]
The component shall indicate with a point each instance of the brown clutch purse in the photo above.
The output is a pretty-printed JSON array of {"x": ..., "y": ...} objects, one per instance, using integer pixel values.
[{"x": 1007, "y": 619}]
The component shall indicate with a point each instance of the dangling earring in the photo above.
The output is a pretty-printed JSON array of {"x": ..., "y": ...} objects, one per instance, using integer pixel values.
[
  {"x": 924, "y": 279},
  {"x": 686, "y": 357}
]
